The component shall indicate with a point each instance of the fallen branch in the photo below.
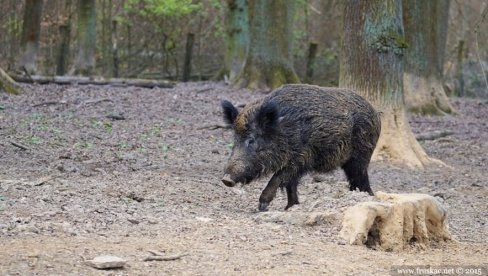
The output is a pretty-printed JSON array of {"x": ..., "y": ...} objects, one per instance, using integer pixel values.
[
  {"x": 165, "y": 258},
  {"x": 433, "y": 135},
  {"x": 49, "y": 103},
  {"x": 98, "y": 101},
  {"x": 63, "y": 80},
  {"x": 22, "y": 147},
  {"x": 213, "y": 126},
  {"x": 41, "y": 181}
]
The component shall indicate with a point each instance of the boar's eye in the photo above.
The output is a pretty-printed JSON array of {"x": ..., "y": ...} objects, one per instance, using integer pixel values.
[{"x": 250, "y": 142}]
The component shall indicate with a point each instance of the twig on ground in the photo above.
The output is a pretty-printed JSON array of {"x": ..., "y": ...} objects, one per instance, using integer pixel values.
[
  {"x": 156, "y": 253},
  {"x": 204, "y": 90},
  {"x": 49, "y": 103},
  {"x": 213, "y": 126},
  {"x": 165, "y": 258},
  {"x": 433, "y": 135},
  {"x": 20, "y": 146},
  {"x": 98, "y": 101},
  {"x": 41, "y": 181}
]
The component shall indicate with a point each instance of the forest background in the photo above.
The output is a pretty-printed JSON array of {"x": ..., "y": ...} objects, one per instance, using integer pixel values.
[{"x": 150, "y": 38}]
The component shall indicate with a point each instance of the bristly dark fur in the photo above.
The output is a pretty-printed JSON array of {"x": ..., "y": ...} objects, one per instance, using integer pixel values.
[{"x": 298, "y": 129}]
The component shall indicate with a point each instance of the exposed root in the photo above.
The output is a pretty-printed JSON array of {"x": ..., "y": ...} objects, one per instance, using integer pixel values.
[
  {"x": 398, "y": 144},
  {"x": 426, "y": 96}
]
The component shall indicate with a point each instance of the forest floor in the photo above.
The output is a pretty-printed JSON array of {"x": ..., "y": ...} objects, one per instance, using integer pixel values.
[{"x": 98, "y": 170}]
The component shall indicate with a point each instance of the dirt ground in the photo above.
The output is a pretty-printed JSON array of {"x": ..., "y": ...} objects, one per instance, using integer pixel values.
[{"x": 89, "y": 170}]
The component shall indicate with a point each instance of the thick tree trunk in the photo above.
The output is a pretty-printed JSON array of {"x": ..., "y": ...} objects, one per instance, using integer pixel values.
[
  {"x": 269, "y": 60},
  {"x": 237, "y": 39},
  {"x": 85, "y": 56},
  {"x": 31, "y": 32},
  {"x": 8, "y": 84},
  {"x": 371, "y": 63},
  {"x": 425, "y": 25}
]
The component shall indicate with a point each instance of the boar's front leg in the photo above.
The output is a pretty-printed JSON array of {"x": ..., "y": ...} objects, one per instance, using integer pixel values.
[{"x": 283, "y": 178}]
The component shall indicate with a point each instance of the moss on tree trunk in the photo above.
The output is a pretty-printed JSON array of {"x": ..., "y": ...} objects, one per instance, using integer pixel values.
[
  {"x": 371, "y": 63},
  {"x": 269, "y": 60},
  {"x": 8, "y": 84},
  {"x": 85, "y": 56},
  {"x": 425, "y": 25},
  {"x": 237, "y": 39}
]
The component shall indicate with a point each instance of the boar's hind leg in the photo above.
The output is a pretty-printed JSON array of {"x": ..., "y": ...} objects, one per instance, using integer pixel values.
[
  {"x": 282, "y": 178},
  {"x": 357, "y": 175}
]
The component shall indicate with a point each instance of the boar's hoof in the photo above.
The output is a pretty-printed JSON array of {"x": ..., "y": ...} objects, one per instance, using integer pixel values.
[
  {"x": 228, "y": 181},
  {"x": 290, "y": 205},
  {"x": 263, "y": 206}
]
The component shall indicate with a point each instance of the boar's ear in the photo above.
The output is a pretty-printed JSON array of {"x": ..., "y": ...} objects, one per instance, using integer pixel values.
[
  {"x": 230, "y": 112},
  {"x": 268, "y": 116}
]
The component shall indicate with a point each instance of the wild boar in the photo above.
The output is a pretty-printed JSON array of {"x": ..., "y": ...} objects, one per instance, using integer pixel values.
[{"x": 298, "y": 129}]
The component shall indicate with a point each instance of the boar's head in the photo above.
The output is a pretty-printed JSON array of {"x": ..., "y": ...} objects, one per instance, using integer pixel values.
[{"x": 256, "y": 141}]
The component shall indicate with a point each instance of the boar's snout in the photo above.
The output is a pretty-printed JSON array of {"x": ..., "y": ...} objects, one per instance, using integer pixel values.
[{"x": 228, "y": 181}]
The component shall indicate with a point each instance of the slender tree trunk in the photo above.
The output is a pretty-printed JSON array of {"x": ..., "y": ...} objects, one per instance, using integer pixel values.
[
  {"x": 237, "y": 39},
  {"x": 190, "y": 37},
  {"x": 85, "y": 57},
  {"x": 269, "y": 60},
  {"x": 426, "y": 34},
  {"x": 115, "y": 50},
  {"x": 63, "y": 52},
  {"x": 371, "y": 63},
  {"x": 312, "y": 53},
  {"x": 31, "y": 32}
]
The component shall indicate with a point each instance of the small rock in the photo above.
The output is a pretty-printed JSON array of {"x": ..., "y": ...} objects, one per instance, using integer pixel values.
[
  {"x": 116, "y": 116},
  {"x": 106, "y": 262},
  {"x": 203, "y": 219},
  {"x": 28, "y": 228},
  {"x": 238, "y": 191},
  {"x": 215, "y": 151},
  {"x": 133, "y": 220},
  {"x": 319, "y": 178}
]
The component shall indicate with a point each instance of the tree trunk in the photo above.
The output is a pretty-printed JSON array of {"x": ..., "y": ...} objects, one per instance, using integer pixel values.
[
  {"x": 63, "y": 51},
  {"x": 312, "y": 53},
  {"x": 237, "y": 39},
  {"x": 426, "y": 34},
  {"x": 269, "y": 61},
  {"x": 371, "y": 63},
  {"x": 31, "y": 32},
  {"x": 115, "y": 50},
  {"x": 85, "y": 56},
  {"x": 8, "y": 84},
  {"x": 190, "y": 37}
]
